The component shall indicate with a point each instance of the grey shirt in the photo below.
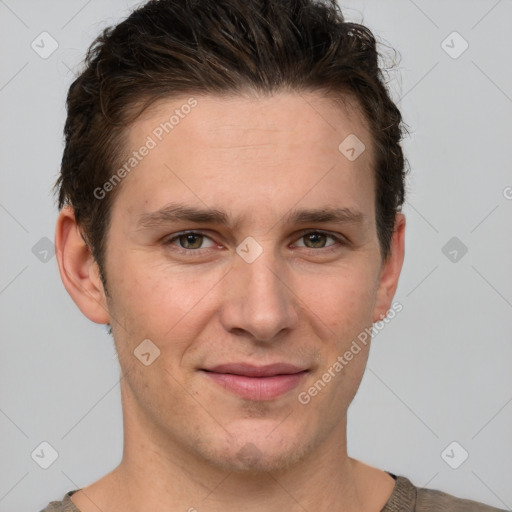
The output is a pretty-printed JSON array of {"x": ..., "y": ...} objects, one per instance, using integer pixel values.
[{"x": 406, "y": 497}]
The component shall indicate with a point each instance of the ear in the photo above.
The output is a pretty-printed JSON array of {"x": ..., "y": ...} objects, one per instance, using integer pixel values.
[
  {"x": 78, "y": 269},
  {"x": 390, "y": 271}
]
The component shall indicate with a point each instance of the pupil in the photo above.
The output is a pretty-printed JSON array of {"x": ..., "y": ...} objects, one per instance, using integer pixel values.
[
  {"x": 190, "y": 240},
  {"x": 315, "y": 235}
]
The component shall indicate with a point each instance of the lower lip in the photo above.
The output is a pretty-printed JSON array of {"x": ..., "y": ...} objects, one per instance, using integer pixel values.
[{"x": 257, "y": 388}]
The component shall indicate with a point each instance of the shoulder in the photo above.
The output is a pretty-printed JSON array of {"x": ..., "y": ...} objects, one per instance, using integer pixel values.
[
  {"x": 408, "y": 497},
  {"x": 430, "y": 500},
  {"x": 65, "y": 505}
]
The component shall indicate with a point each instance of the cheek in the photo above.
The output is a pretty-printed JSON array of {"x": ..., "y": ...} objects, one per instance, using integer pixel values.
[
  {"x": 345, "y": 309},
  {"x": 343, "y": 300},
  {"x": 159, "y": 301},
  {"x": 167, "y": 302}
]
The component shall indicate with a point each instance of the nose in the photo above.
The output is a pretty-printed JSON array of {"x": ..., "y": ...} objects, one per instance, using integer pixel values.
[{"x": 259, "y": 300}]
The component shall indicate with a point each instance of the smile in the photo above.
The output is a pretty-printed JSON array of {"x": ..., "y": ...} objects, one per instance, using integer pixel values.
[{"x": 257, "y": 382}]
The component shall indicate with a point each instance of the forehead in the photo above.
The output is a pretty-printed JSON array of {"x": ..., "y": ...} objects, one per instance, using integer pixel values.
[
  {"x": 211, "y": 119},
  {"x": 242, "y": 151}
]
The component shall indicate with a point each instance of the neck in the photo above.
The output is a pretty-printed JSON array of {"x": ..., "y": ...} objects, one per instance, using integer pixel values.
[{"x": 150, "y": 479}]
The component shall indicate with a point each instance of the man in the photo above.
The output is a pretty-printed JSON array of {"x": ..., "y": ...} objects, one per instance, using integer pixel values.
[{"x": 230, "y": 199}]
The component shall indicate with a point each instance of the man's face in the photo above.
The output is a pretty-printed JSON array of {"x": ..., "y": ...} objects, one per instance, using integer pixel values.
[{"x": 255, "y": 291}]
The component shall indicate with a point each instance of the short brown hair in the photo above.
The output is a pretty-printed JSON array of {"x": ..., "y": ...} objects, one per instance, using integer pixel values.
[{"x": 168, "y": 48}]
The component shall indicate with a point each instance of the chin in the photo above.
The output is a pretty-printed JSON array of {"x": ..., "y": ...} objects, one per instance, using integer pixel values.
[{"x": 259, "y": 453}]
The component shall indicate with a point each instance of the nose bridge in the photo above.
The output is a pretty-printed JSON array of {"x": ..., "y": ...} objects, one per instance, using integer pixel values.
[
  {"x": 260, "y": 299},
  {"x": 264, "y": 278}
]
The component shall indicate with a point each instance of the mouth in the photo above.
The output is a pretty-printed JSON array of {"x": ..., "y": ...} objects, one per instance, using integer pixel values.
[{"x": 258, "y": 383}]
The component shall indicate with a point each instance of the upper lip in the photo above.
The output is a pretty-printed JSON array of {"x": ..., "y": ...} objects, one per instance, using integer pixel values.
[{"x": 249, "y": 370}]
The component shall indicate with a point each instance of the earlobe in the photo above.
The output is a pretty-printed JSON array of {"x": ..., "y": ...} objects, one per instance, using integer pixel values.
[
  {"x": 78, "y": 270},
  {"x": 390, "y": 271}
]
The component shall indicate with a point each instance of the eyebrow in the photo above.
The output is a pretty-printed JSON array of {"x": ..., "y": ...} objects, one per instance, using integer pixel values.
[{"x": 175, "y": 212}]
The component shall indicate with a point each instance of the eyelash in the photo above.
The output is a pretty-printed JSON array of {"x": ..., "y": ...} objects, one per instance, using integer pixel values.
[{"x": 340, "y": 241}]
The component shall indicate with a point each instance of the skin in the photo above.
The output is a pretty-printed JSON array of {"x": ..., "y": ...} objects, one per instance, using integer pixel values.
[{"x": 302, "y": 301}]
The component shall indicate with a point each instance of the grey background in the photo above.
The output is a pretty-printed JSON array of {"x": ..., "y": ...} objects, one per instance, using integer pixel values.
[{"x": 439, "y": 372}]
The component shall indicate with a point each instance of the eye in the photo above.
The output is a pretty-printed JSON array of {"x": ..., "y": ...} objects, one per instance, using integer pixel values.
[
  {"x": 317, "y": 239},
  {"x": 190, "y": 240}
]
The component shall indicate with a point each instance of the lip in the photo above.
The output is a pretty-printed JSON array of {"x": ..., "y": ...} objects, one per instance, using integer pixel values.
[{"x": 257, "y": 383}]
